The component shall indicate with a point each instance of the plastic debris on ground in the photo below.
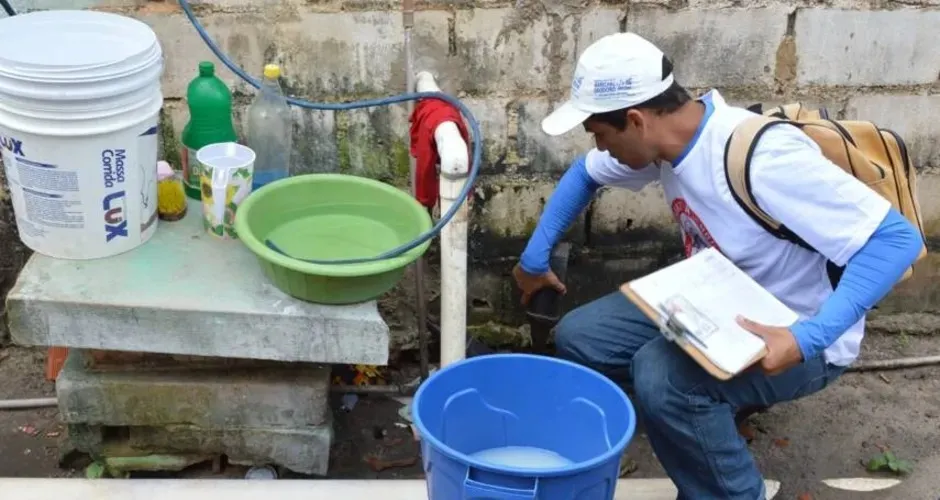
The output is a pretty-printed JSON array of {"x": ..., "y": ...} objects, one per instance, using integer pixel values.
[
  {"x": 263, "y": 472},
  {"x": 861, "y": 483},
  {"x": 349, "y": 402},
  {"x": 358, "y": 375},
  {"x": 405, "y": 411},
  {"x": 29, "y": 430}
]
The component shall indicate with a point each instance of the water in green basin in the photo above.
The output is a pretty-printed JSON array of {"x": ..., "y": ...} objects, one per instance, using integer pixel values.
[
  {"x": 332, "y": 217},
  {"x": 333, "y": 236}
]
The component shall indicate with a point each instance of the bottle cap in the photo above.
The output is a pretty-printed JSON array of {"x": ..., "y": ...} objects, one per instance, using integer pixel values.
[
  {"x": 272, "y": 71},
  {"x": 164, "y": 170},
  {"x": 206, "y": 68}
]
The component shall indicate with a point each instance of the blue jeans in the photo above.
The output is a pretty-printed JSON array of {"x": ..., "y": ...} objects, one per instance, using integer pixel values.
[{"x": 688, "y": 414}]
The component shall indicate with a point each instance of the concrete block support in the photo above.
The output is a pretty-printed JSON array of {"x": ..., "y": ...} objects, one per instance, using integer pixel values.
[
  {"x": 287, "y": 397},
  {"x": 304, "y": 451},
  {"x": 254, "y": 416}
]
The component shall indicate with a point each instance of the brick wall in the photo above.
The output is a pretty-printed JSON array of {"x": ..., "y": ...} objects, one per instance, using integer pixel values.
[{"x": 512, "y": 62}]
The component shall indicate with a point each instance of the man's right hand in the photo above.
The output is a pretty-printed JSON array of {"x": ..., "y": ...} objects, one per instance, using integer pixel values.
[{"x": 531, "y": 283}]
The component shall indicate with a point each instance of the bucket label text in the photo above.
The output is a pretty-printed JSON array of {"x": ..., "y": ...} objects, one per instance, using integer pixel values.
[
  {"x": 114, "y": 204},
  {"x": 112, "y": 167},
  {"x": 12, "y": 145}
]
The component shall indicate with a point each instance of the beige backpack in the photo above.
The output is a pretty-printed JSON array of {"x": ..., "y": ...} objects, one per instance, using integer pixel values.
[{"x": 876, "y": 156}]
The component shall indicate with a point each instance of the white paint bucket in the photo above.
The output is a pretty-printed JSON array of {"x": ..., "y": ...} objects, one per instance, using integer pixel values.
[{"x": 79, "y": 108}]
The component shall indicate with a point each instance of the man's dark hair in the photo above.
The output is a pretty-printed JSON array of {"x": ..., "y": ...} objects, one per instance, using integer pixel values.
[{"x": 667, "y": 102}]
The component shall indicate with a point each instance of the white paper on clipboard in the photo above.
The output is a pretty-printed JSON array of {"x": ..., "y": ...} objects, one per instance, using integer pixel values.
[{"x": 708, "y": 291}]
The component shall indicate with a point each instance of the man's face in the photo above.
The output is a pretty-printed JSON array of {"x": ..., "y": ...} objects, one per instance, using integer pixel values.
[{"x": 627, "y": 146}]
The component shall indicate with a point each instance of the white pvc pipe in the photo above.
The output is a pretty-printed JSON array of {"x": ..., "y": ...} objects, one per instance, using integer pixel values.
[
  {"x": 22, "y": 404},
  {"x": 234, "y": 489},
  {"x": 455, "y": 165}
]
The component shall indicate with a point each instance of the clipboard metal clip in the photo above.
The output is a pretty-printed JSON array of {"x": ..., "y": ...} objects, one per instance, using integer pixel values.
[
  {"x": 680, "y": 321},
  {"x": 671, "y": 327}
]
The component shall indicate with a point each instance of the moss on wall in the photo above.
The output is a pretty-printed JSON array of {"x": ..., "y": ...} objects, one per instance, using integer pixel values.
[
  {"x": 341, "y": 136},
  {"x": 169, "y": 140},
  {"x": 498, "y": 335},
  {"x": 367, "y": 146}
]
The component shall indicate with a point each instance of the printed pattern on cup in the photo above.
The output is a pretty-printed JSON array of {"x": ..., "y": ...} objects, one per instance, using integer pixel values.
[{"x": 218, "y": 214}]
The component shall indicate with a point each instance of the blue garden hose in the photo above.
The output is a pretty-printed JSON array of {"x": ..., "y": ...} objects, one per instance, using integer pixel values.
[
  {"x": 476, "y": 139},
  {"x": 7, "y": 7}
]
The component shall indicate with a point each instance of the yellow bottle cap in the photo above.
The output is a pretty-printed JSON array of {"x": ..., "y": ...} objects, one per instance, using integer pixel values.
[{"x": 272, "y": 71}]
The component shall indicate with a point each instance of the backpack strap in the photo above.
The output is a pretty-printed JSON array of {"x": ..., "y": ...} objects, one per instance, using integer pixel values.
[{"x": 738, "y": 152}]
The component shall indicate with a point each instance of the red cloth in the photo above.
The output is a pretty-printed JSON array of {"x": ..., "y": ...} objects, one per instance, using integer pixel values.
[{"x": 427, "y": 115}]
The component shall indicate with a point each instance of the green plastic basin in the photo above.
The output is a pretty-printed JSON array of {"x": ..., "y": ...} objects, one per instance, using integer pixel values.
[{"x": 327, "y": 217}]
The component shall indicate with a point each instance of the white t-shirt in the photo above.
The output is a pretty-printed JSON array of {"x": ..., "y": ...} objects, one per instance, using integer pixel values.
[{"x": 791, "y": 180}]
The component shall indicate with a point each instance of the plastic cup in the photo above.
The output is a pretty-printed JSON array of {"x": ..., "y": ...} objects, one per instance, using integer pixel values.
[{"x": 226, "y": 170}]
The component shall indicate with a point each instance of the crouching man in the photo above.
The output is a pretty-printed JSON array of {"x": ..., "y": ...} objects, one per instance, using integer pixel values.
[{"x": 647, "y": 128}]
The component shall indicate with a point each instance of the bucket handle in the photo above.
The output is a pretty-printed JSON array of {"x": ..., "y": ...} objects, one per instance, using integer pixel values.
[{"x": 473, "y": 489}]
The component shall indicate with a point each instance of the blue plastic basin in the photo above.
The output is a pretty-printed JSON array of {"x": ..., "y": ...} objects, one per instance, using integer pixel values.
[{"x": 579, "y": 420}]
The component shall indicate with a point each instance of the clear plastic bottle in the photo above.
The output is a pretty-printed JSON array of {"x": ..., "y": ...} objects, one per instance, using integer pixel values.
[{"x": 270, "y": 129}]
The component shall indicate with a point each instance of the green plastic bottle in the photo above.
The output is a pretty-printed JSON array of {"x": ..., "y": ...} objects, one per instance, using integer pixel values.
[{"x": 210, "y": 121}]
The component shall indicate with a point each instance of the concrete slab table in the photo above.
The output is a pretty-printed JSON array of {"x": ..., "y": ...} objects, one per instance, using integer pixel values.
[{"x": 185, "y": 292}]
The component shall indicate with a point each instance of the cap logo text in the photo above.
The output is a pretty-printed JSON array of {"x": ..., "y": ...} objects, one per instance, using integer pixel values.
[
  {"x": 612, "y": 87},
  {"x": 576, "y": 84}
]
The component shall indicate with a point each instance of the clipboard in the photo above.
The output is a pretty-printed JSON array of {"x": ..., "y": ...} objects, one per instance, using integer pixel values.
[{"x": 674, "y": 329}]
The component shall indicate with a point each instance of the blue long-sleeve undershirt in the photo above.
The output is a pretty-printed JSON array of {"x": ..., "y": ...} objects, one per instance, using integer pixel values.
[
  {"x": 575, "y": 190},
  {"x": 868, "y": 276}
]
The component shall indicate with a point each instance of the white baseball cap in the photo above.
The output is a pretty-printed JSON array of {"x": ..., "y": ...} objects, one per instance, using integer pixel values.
[{"x": 618, "y": 71}]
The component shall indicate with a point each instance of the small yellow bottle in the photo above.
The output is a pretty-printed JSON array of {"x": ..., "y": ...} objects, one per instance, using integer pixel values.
[{"x": 171, "y": 197}]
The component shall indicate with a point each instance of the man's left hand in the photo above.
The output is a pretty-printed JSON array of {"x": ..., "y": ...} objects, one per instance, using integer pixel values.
[{"x": 782, "y": 350}]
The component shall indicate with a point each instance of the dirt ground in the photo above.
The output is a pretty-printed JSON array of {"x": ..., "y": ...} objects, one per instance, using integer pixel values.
[{"x": 828, "y": 435}]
